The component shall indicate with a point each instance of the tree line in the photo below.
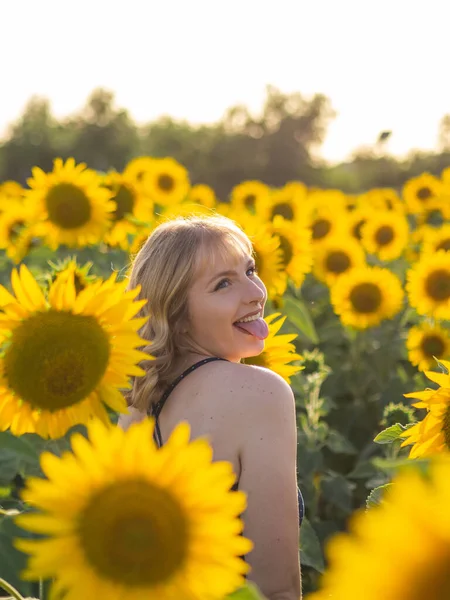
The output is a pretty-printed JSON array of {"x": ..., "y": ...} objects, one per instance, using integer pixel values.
[{"x": 278, "y": 145}]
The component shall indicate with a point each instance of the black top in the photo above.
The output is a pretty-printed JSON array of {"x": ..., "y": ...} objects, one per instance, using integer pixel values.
[{"x": 155, "y": 411}]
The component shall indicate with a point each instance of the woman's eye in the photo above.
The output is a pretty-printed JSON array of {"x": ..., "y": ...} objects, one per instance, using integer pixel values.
[
  {"x": 253, "y": 271},
  {"x": 222, "y": 284}
]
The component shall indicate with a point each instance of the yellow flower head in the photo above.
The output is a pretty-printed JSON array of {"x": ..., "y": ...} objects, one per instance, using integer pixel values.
[
  {"x": 202, "y": 194},
  {"x": 386, "y": 234},
  {"x": 436, "y": 239},
  {"x": 399, "y": 550},
  {"x": 436, "y": 211},
  {"x": 336, "y": 256},
  {"x": 431, "y": 435},
  {"x": 326, "y": 221},
  {"x": 278, "y": 351},
  {"x": 251, "y": 196},
  {"x": 418, "y": 191},
  {"x": 382, "y": 199},
  {"x": 428, "y": 285},
  {"x": 166, "y": 182},
  {"x": 66, "y": 356},
  {"x": 295, "y": 243},
  {"x": 288, "y": 202},
  {"x": 130, "y": 200},
  {"x": 426, "y": 342},
  {"x": 73, "y": 204},
  {"x": 124, "y": 519},
  {"x": 365, "y": 296}
]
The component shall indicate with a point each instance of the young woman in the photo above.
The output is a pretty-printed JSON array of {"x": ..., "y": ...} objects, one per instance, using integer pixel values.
[{"x": 206, "y": 305}]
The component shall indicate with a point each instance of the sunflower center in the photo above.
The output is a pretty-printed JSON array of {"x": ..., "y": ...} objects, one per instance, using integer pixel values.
[
  {"x": 437, "y": 285},
  {"x": 366, "y": 297},
  {"x": 337, "y": 262},
  {"x": 444, "y": 245},
  {"x": 68, "y": 206},
  {"x": 320, "y": 228},
  {"x": 134, "y": 533},
  {"x": 433, "y": 345},
  {"x": 124, "y": 199},
  {"x": 166, "y": 182},
  {"x": 249, "y": 201},
  {"x": 287, "y": 249},
  {"x": 384, "y": 235},
  {"x": 424, "y": 193},
  {"x": 56, "y": 359},
  {"x": 357, "y": 229},
  {"x": 284, "y": 209}
]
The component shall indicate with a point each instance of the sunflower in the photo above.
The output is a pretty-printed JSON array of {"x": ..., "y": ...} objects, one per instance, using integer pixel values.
[
  {"x": 386, "y": 235},
  {"x": 356, "y": 219},
  {"x": 325, "y": 221},
  {"x": 278, "y": 351},
  {"x": 138, "y": 167},
  {"x": 67, "y": 356},
  {"x": 435, "y": 213},
  {"x": 75, "y": 207},
  {"x": 336, "y": 256},
  {"x": 428, "y": 285},
  {"x": 335, "y": 200},
  {"x": 132, "y": 204},
  {"x": 436, "y": 239},
  {"x": 167, "y": 182},
  {"x": 81, "y": 276},
  {"x": 295, "y": 243},
  {"x": 251, "y": 196},
  {"x": 288, "y": 202},
  {"x": 269, "y": 255},
  {"x": 17, "y": 231},
  {"x": 124, "y": 519},
  {"x": 418, "y": 191},
  {"x": 11, "y": 191},
  {"x": 364, "y": 296},
  {"x": 425, "y": 342},
  {"x": 431, "y": 435},
  {"x": 202, "y": 194},
  {"x": 384, "y": 199},
  {"x": 398, "y": 550}
]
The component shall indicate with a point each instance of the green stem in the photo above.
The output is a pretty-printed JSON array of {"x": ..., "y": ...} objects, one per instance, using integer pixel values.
[
  {"x": 10, "y": 589},
  {"x": 41, "y": 589}
]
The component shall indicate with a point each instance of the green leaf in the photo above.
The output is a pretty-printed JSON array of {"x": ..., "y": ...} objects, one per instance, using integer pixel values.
[
  {"x": 392, "y": 433},
  {"x": 310, "y": 549},
  {"x": 299, "y": 316},
  {"x": 339, "y": 444},
  {"x": 21, "y": 446},
  {"x": 393, "y": 464},
  {"x": 12, "y": 561},
  {"x": 248, "y": 592},
  {"x": 338, "y": 491},
  {"x": 375, "y": 498}
]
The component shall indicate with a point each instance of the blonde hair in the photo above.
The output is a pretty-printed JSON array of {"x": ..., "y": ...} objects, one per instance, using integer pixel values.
[{"x": 165, "y": 268}]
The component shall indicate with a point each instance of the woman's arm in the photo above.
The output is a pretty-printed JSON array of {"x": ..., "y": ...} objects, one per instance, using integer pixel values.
[{"x": 268, "y": 476}]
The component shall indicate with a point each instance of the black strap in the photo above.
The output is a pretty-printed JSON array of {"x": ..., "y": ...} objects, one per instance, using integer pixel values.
[{"x": 156, "y": 408}]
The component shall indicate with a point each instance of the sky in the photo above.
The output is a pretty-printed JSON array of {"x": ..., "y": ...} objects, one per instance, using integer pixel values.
[{"x": 384, "y": 65}]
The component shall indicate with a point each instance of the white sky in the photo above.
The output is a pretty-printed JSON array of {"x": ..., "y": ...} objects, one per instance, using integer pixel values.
[{"x": 384, "y": 63}]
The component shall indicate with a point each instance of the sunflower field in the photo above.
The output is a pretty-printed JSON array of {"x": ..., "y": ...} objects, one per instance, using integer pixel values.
[{"x": 358, "y": 313}]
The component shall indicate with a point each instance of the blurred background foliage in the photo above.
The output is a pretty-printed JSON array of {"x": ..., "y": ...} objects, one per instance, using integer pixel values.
[{"x": 280, "y": 144}]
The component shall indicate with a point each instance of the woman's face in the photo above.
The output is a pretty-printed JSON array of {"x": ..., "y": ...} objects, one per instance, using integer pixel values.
[{"x": 225, "y": 291}]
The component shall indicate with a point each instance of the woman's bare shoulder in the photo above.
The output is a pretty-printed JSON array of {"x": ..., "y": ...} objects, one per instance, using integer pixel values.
[
  {"x": 249, "y": 384},
  {"x": 133, "y": 416}
]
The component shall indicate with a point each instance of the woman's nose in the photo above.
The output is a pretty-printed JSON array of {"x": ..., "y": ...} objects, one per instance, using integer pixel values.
[{"x": 256, "y": 293}]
